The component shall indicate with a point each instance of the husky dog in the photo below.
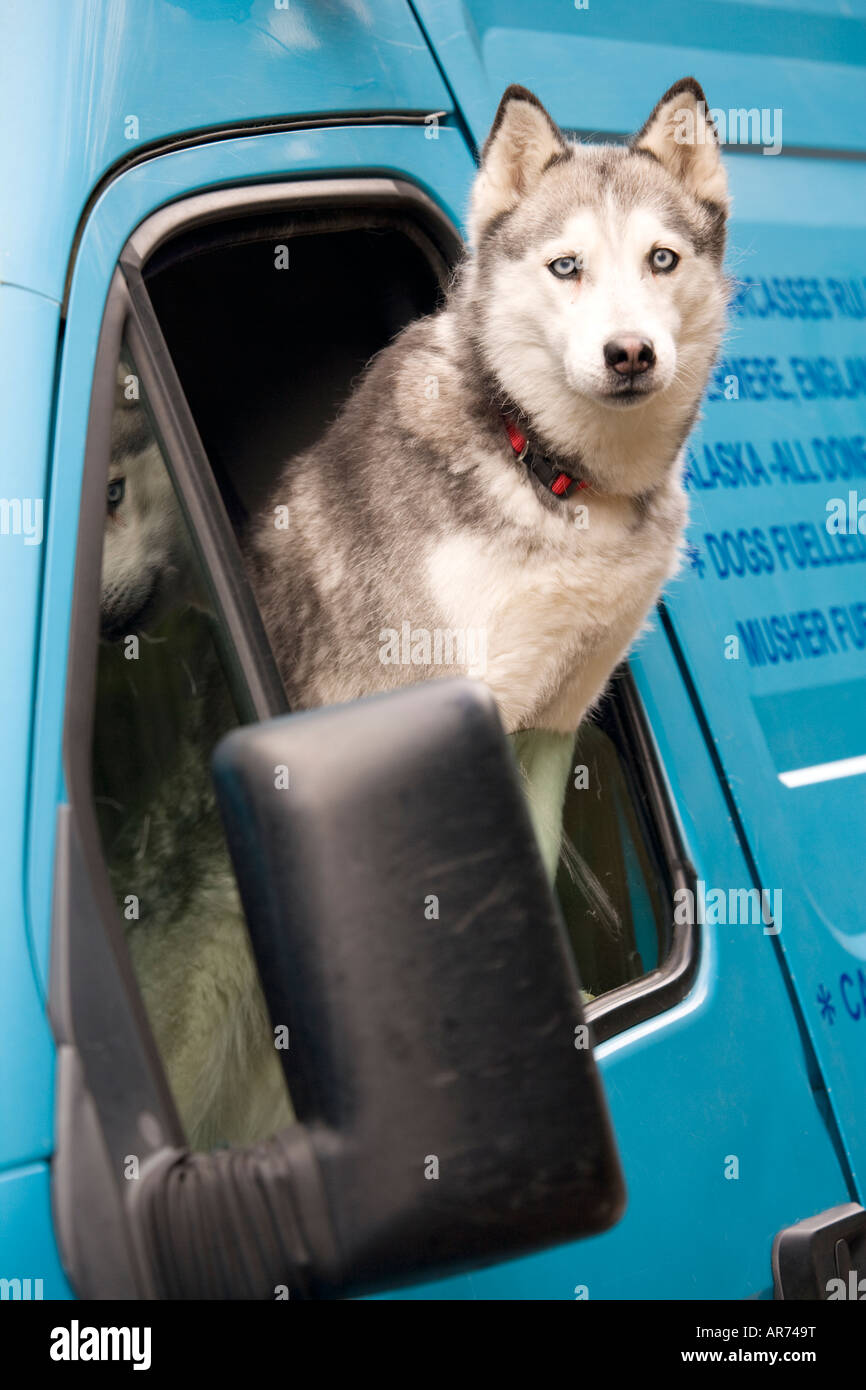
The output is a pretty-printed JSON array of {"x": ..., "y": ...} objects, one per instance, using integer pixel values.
[{"x": 511, "y": 465}]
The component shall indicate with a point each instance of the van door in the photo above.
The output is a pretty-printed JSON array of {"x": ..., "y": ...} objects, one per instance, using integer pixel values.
[
  {"x": 772, "y": 621},
  {"x": 753, "y": 683},
  {"x": 769, "y": 623}
]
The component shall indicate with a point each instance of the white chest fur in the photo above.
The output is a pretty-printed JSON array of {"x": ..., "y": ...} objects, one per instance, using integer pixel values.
[{"x": 558, "y": 602}]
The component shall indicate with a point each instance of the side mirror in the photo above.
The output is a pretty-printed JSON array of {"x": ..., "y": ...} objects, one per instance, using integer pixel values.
[{"x": 448, "y": 1113}]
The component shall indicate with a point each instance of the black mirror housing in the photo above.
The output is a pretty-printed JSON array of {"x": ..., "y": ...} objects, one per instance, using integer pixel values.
[{"x": 407, "y": 937}]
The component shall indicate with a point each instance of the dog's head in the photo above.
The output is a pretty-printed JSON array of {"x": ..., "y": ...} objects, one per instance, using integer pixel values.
[
  {"x": 596, "y": 283},
  {"x": 146, "y": 559}
]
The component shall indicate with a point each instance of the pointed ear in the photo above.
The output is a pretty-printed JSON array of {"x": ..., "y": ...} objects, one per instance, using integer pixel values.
[
  {"x": 683, "y": 138},
  {"x": 522, "y": 141}
]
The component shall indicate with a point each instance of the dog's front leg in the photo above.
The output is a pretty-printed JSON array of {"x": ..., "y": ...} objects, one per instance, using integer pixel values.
[{"x": 544, "y": 759}]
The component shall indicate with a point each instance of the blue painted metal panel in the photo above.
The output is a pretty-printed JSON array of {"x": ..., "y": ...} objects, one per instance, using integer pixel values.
[
  {"x": 85, "y": 82},
  {"x": 28, "y": 347},
  {"x": 27, "y": 1246},
  {"x": 766, "y": 464},
  {"x": 603, "y": 67}
]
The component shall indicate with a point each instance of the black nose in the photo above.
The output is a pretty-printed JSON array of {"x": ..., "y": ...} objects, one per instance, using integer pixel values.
[{"x": 629, "y": 356}]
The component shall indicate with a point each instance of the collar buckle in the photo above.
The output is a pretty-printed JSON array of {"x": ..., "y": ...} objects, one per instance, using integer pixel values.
[{"x": 554, "y": 479}]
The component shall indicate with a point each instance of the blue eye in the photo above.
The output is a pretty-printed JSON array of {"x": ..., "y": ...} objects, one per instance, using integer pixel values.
[
  {"x": 116, "y": 489},
  {"x": 564, "y": 267},
  {"x": 664, "y": 260}
]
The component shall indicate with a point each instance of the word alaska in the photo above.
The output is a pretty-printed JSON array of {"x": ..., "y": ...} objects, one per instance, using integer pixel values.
[{"x": 718, "y": 907}]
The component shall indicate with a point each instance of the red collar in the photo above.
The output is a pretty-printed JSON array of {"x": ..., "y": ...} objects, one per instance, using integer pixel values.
[{"x": 553, "y": 478}]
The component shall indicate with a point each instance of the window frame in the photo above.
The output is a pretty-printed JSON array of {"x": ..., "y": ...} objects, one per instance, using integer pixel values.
[{"x": 667, "y": 984}]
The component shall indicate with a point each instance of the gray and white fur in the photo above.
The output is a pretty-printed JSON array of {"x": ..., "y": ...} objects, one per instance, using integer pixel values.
[{"x": 413, "y": 509}]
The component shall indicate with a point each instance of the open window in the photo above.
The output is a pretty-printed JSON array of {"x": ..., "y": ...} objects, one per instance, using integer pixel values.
[
  {"x": 269, "y": 314},
  {"x": 621, "y": 864},
  {"x": 259, "y": 309},
  {"x": 270, "y": 318}
]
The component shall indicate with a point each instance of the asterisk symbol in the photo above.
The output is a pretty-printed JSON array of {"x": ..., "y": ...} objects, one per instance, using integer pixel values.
[
  {"x": 693, "y": 555},
  {"x": 828, "y": 1009}
]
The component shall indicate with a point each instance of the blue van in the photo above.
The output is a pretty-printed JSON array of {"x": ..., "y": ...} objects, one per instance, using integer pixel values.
[{"x": 180, "y": 179}]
